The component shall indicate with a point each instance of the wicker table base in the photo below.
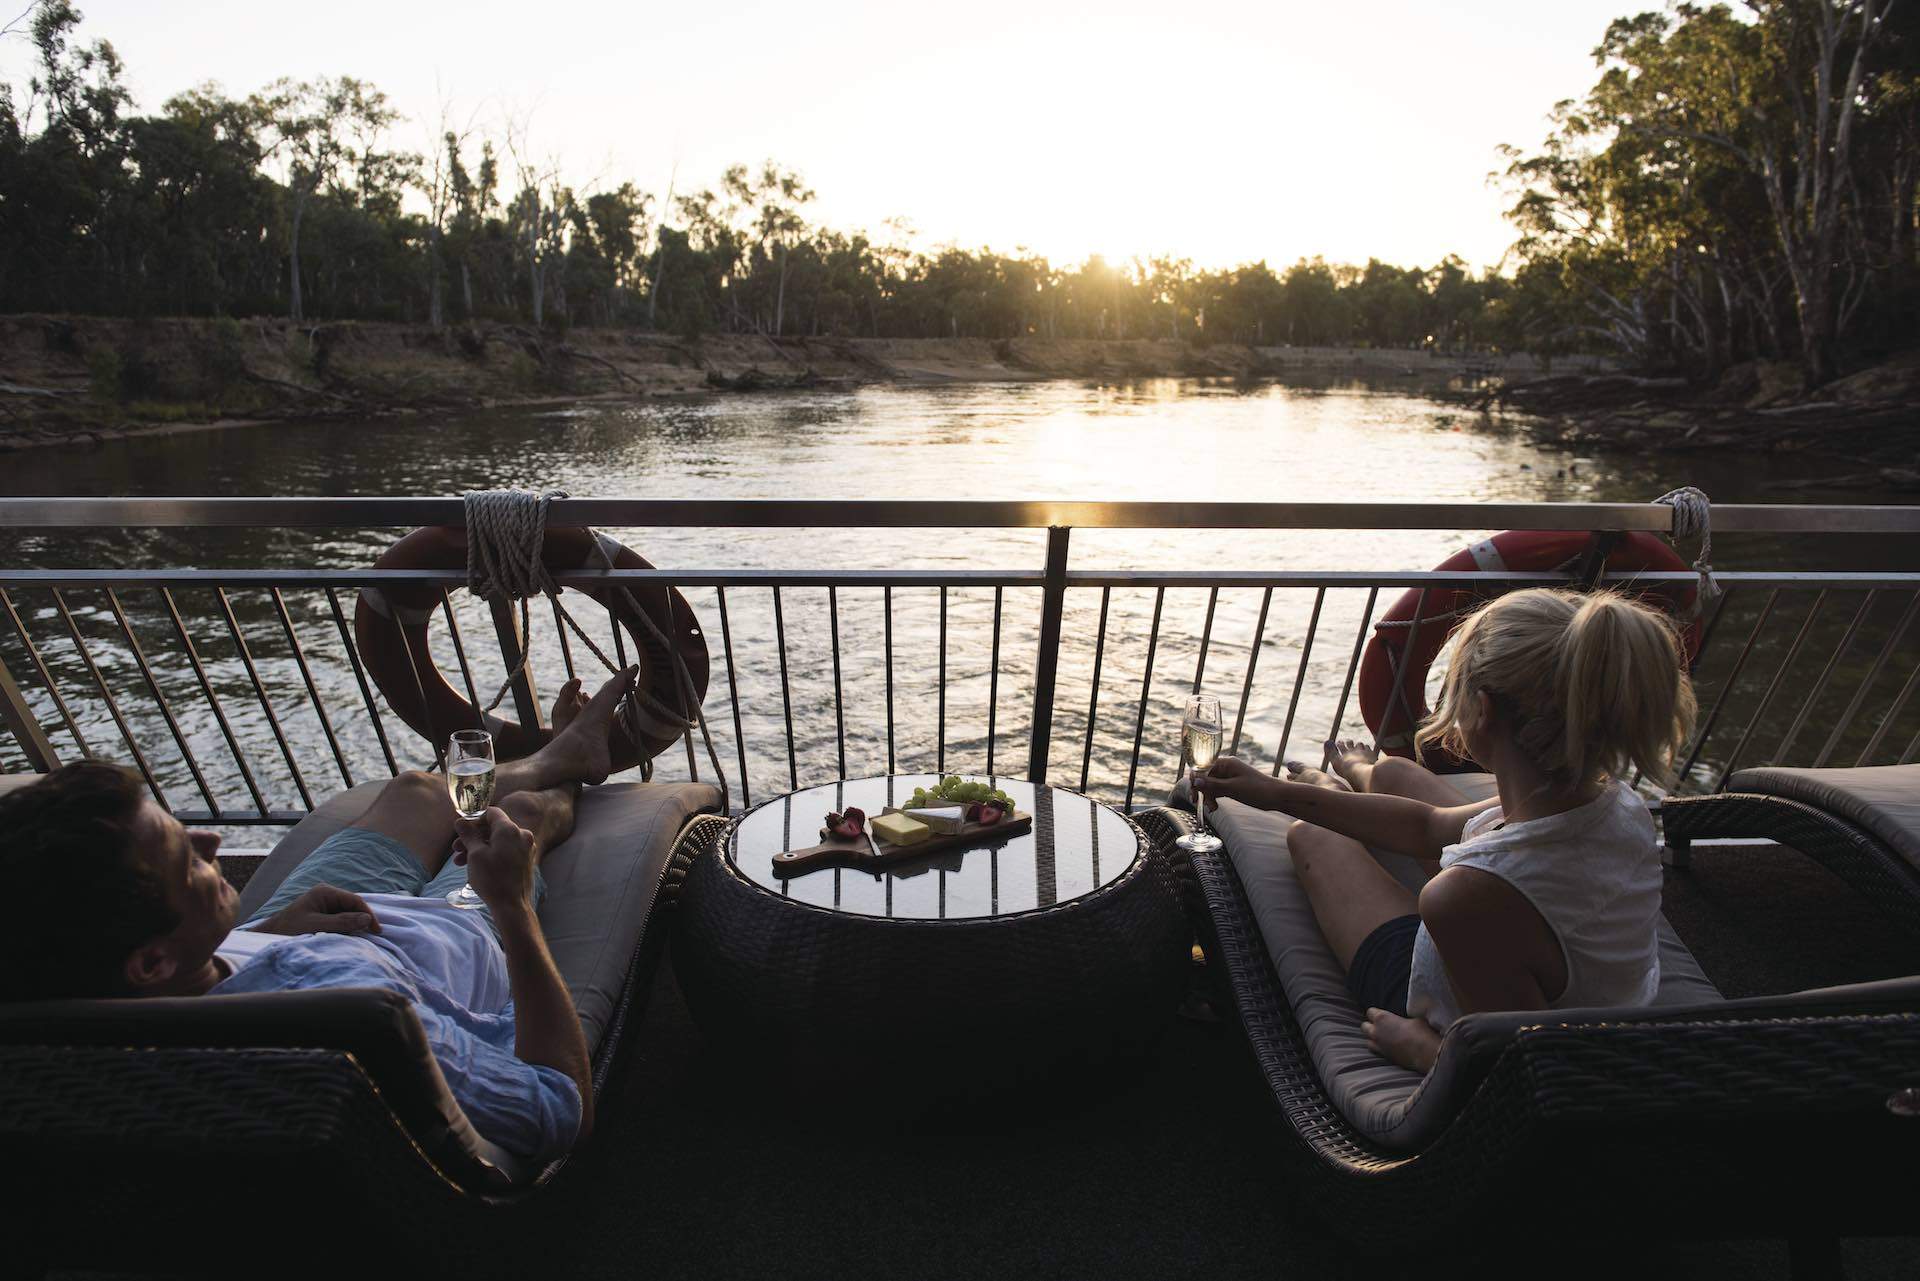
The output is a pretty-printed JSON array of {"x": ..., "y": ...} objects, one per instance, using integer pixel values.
[{"x": 819, "y": 992}]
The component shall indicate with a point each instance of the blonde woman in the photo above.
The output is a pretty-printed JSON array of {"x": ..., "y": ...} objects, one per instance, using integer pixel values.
[{"x": 1545, "y": 896}]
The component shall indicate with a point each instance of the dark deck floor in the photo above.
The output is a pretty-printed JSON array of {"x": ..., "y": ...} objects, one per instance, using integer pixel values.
[
  {"x": 1163, "y": 1169},
  {"x": 1156, "y": 1169}
]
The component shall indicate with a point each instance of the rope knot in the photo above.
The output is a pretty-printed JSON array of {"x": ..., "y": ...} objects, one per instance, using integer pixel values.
[
  {"x": 1693, "y": 517},
  {"x": 506, "y": 541}
]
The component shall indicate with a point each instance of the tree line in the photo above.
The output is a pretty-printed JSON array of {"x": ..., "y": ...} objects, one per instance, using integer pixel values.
[
  {"x": 1735, "y": 186},
  {"x": 295, "y": 200}
]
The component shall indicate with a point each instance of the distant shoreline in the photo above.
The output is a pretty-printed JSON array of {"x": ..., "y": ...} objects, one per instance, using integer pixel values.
[{"x": 80, "y": 379}]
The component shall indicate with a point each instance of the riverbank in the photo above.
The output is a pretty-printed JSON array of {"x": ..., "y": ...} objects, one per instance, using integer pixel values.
[
  {"x": 1870, "y": 418},
  {"x": 75, "y": 378}
]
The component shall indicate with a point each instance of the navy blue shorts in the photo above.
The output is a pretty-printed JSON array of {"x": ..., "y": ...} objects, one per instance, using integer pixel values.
[{"x": 1383, "y": 966}]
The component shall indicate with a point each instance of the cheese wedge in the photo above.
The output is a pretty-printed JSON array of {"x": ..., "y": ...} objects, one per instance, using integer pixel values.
[
  {"x": 898, "y": 829},
  {"x": 944, "y": 818}
]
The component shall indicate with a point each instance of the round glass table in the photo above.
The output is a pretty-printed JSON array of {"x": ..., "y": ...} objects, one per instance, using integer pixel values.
[
  {"x": 973, "y": 969},
  {"x": 1074, "y": 847}
]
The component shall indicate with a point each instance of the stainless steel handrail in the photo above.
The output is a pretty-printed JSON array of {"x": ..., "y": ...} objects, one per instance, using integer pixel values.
[{"x": 768, "y": 513}]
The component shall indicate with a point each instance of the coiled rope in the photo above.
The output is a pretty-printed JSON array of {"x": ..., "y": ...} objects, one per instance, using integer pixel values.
[
  {"x": 1693, "y": 517},
  {"x": 506, "y": 544}
]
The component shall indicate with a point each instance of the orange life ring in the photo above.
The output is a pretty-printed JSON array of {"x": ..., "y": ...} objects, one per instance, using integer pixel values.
[
  {"x": 390, "y": 629},
  {"x": 1394, "y": 720}
]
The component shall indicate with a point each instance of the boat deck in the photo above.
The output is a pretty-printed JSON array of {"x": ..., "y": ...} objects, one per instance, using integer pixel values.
[{"x": 1159, "y": 1169}]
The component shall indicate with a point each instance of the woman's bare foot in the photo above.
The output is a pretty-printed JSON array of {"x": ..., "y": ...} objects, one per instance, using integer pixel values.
[
  {"x": 1301, "y": 772},
  {"x": 579, "y": 751},
  {"x": 1412, "y": 1043},
  {"x": 1353, "y": 761}
]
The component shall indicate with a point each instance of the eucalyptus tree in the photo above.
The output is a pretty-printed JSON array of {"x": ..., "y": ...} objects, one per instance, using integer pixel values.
[{"x": 325, "y": 133}]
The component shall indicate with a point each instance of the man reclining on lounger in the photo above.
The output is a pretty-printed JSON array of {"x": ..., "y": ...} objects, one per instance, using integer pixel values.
[{"x": 113, "y": 897}]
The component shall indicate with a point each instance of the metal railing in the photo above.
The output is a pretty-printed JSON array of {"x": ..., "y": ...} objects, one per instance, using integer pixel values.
[{"x": 166, "y": 668}]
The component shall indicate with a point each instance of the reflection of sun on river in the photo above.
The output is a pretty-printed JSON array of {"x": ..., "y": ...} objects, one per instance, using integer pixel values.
[{"x": 1155, "y": 440}]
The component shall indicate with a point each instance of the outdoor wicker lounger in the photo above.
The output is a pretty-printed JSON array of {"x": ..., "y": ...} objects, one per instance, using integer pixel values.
[
  {"x": 1862, "y": 824},
  {"x": 282, "y": 1111},
  {"x": 1774, "y": 1116}
]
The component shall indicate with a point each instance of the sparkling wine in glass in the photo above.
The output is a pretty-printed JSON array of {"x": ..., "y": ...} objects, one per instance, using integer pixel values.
[
  {"x": 470, "y": 784},
  {"x": 1199, "y": 745}
]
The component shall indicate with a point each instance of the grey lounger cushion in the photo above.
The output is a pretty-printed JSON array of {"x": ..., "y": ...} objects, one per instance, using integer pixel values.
[
  {"x": 601, "y": 882},
  {"x": 1882, "y": 799},
  {"x": 1394, "y": 1107}
]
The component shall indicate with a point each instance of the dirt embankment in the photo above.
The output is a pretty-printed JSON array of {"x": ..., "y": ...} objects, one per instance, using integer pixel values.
[
  {"x": 1871, "y": 417},
  {"x": 73, "y": 377}
]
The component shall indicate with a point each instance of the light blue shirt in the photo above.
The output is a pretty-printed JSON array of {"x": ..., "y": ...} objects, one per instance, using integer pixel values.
[{"x": 446, "y": 962}]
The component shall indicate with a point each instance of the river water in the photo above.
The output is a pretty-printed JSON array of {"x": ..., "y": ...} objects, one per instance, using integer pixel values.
[{"x": 1162, "y": 439}]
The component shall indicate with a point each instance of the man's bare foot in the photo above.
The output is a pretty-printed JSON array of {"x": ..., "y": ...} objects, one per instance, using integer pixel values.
[
  {"x": 1301, "y": 772},
  {"x": 1412, "y": 1043},
  {"x": 1353, "y": 761},
  {"x": 567, "y": 704},
  {"x": 579, "y": 751}
]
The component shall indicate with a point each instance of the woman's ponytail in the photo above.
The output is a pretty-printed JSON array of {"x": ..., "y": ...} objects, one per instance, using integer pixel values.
[{"x": 1622, "y": 685}]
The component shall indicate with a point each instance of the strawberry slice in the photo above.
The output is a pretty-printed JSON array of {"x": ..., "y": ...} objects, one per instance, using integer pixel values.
[
  {"x": 985, "y": 813},
  {"x": 851, "y": 824}
]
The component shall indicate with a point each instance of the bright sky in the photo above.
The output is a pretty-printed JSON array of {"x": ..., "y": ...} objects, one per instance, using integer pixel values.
[{"x": 1214, "y": 130}]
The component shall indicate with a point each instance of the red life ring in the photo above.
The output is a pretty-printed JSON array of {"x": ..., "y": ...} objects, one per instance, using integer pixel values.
[
  {"x": 1518, "y": 550},
  {"x": 390, "y": 630}
]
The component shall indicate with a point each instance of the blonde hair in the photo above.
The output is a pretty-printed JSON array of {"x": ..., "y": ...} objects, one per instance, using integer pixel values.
[{"x": 1590, "y": 683}]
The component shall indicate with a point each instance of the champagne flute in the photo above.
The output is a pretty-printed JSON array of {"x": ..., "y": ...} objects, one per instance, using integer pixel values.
[
  {"x": 1199, "y": 745},
  {"x": 470, "y": 784}
]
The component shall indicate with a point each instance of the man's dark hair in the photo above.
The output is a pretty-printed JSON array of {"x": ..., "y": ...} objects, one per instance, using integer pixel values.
[{"x": 81, "y": 894}]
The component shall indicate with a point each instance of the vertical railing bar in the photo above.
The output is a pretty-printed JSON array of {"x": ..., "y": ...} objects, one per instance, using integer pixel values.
[
  {"x": 166, "y": 709},
  {"x": 1826, "y": 675},
  {"x": 1299, "y": 677},
  {"x": 514, "y": 641},
  {"x": 1206, "y": 638},
  {"x": 360, "y": 677},
  {"x": 46, "y": 677},
  {"x": 733, "y": 696},
  {"x": 786, "y": 698},
  {"x": 560, "y": 627},
  {"x": 313, "y": 690},
  {"x": 1046, "y": 668},
  {"x": 632, "y": 706},
  {"x": 460, "y": 655},
  {"x": 1399, "y": 696},
  {"x": 1893, "y": 714},
  {"x": 839, "y": 705},
  {"x": 1146, "y": 685},
  {"x": 1713, "y": 625},
  {"x": 1773, "y": 687},
  {"x": 940, "y": 739},
  {"x": 113, "y": 704},
  {"x": 260, "y": 692},
  {"x": 1093, "y": 699},
  {"x": 1346, "y": 686},
  {"x": 436, "y": 734},
  {"x": 213, "y": 702},
  {"x": 993, "y": 680},
  {"x": 886, "y": 600},
  {"x": 28, "y": 734},
  {"x": 1253, "y": 662},
  {"x": 1894, "y": 637},
  {"x": 1726, "y": 687},
  {"x": 682, "y": 691}
]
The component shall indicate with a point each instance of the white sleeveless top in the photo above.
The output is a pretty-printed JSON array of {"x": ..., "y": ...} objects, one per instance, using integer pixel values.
[{"x": 1593, "y": 872}]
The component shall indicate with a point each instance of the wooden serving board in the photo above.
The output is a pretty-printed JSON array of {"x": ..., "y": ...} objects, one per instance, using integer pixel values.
[{"x": 872, "y": 854}]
